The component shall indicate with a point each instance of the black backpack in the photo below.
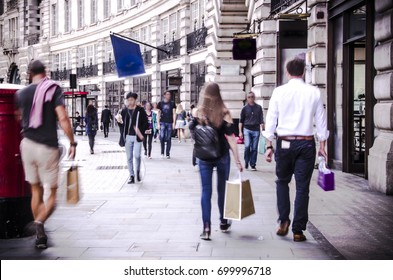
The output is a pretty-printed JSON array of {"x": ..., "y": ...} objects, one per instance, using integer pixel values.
[{"x": 207, "y": 143}]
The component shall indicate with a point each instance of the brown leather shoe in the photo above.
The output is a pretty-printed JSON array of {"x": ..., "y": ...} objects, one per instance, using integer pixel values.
[
  {"x": 283, "y": 228},
  {"x": 299, "y": 237}
]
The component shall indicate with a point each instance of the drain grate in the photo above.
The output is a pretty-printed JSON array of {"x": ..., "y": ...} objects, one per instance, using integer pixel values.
[
  {"x": 111, "y": 167},
  {"x": 110, "y": 152}
]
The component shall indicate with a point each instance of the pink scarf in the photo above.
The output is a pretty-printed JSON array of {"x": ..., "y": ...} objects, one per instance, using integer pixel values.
[{"x": 44, "y": 93}]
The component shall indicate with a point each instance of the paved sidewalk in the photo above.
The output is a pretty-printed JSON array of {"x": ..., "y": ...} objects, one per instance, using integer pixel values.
[{"x": 160, "y": 218}]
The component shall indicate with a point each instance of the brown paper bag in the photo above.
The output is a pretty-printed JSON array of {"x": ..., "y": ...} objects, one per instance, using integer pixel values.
[
  {"x": 72, "y": 185},
  {"x": 238, "y": 200}
]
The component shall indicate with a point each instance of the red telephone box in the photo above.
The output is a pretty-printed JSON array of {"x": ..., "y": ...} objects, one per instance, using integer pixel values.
[{"x": 15, "y": 192}]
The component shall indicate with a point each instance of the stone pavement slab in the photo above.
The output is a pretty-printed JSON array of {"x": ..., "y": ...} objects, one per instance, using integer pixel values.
[{"x": 160, "y": 217}]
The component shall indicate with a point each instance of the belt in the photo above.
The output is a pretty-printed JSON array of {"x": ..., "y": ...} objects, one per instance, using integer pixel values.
[{"x": 297, "y": 137}]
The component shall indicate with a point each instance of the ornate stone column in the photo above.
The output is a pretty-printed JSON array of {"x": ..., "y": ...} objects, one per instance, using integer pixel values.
[
  {"x": 156, "y": 74},
  {"x": 264, "y": 69},
  {"x": 185, "y": 28},
  {"x": 100, "y": 60},
  {"x": 380, "y": 159},
  {"x": 317, "y": 37},
  {"x": 223, "y": 19}
]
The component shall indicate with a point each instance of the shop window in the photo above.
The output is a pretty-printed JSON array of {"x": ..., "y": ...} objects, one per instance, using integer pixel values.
[
  {"x": 81, "y": 13},
  {"x": 357, "y": 23},
  {"x": 54, "y": 20},
  {"x": 67, "y": 16}
]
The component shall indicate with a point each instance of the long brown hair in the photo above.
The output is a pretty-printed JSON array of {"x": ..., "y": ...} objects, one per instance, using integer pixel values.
[
  {"x": 90, "y": 110},
  {"x": 211, "y": 107}
]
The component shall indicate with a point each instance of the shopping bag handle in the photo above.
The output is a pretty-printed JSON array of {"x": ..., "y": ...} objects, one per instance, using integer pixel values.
[
  {"x": 73, "y": 166},
  {"x": 240, "y": 175},
  {"x": 74, "y": 163}
]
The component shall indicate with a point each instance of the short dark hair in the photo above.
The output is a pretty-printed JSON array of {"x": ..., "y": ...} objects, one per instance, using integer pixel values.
[
  {"x": 106, "y": 106},
  {"x": 167, "y": 91},
  {"x": 295, "y": 67},
  {"x": 36, "y": 67},
  {"x": 132, "y": 95}
]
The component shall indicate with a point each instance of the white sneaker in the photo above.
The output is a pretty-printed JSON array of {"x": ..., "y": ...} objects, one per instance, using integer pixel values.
[
  {"x": 162, "y": 156},
  {"x": 168, "y": 157}
]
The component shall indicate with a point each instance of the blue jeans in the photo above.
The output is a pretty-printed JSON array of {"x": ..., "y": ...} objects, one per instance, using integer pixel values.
[
  {"x": 298, "y": 159},
  {"x": 251, "y": 139},
  {"x": 166, "y": 136},
  {"x": 133, "y": 150},
  {"x": 206, "y": 171}
]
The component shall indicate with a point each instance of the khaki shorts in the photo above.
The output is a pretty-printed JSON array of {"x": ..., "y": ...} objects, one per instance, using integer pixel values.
[{"x": 40, "y": 162}]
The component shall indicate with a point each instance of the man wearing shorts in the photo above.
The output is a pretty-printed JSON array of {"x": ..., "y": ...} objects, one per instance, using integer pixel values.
[{"x": 41, "y": 105}]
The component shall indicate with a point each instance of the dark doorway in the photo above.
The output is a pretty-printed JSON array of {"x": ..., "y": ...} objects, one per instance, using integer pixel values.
[
  {"x": 198, "y": 73},
  {"x": 354, "y": 105},
  {"x": 291, "y": 43},
  {"x": 13, "y": 74},
  {"x": 142, "y": 86},
  {"x": 171, "y": 81},
  {"x": 114, "y": 93},
  {"x": 350, "y": 87}
]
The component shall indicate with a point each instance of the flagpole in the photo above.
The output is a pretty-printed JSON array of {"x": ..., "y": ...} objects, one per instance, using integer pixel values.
[{"x": 119, "y": 35}]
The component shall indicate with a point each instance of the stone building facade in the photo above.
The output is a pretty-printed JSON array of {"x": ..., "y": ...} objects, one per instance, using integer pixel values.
[{"x": 72, "y": 37}]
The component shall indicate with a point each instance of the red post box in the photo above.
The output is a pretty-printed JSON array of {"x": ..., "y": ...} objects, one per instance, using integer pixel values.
[{"x": 15, "y": 192}]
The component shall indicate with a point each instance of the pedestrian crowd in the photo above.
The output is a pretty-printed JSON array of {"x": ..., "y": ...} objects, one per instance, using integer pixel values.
[{"x": 295, "y": 111}]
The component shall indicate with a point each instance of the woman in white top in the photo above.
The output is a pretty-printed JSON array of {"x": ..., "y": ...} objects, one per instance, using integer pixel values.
[
  {"x": 180, "y": 122},
  {"x": 155, "y": 130}
]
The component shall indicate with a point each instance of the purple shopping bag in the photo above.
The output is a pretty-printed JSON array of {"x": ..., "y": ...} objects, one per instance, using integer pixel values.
[{"x": 326, "y": 181}]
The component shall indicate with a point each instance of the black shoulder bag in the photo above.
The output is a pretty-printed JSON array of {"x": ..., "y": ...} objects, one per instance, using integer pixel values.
[{"x": 122, "y": 140}]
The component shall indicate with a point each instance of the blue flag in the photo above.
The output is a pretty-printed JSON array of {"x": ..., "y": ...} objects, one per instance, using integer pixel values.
[{"x": 128, "y": 57}]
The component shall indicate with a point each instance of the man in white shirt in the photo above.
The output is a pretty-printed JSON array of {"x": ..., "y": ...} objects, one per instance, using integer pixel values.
[{"x": 293, "y": 109}]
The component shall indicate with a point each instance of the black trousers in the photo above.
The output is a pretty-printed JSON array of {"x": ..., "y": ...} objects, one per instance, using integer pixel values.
[
  {"x": 147, "y": 144},
  {"x": 91, "y": 140},
  {"x": 297, "y": 159},
  {"x": 106, "y": 128}
]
